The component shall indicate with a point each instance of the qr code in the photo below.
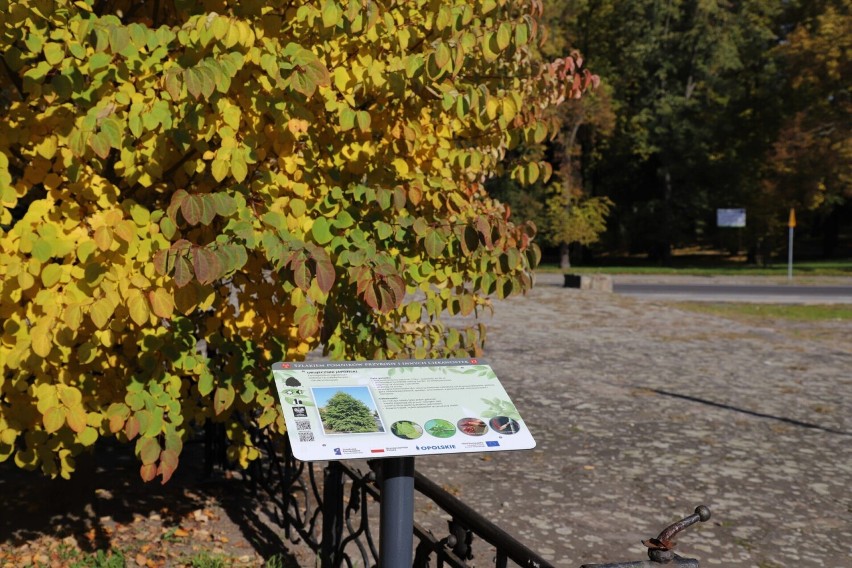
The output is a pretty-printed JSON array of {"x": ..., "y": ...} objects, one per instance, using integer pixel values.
[
  {"x": 303, "y": 424},
  {"x": 306, "y": 436}
]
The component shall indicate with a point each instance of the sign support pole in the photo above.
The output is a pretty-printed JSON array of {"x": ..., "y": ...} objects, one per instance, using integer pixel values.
[
  {"x": 397, "y": 512},
  {"x": 332, "y": 515}
]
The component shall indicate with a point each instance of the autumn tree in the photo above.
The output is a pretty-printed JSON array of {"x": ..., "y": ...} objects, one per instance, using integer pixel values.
[
  {"x": 192, "y": 190},
  {"x": 810, "y": 162}
]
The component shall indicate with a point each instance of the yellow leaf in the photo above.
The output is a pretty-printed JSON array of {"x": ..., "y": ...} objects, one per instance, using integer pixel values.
[
  {"x": 161, "y": 303},
  {"x": 70, "y": 396},
  {"x": 103, "y": 237},
  {"x": 138, "y": 306},
  {"x": 50, "y": 275},
  {"x": 509, "y": 109},
  {"x": 42, "y": 340},
  {"x": 53, "y": 419},
  {"x": 101, "y": 311},
  {"x": 401, "y": 166},
  {"x": 73, "y": 316},
  {"x": 76, "y": 418}
]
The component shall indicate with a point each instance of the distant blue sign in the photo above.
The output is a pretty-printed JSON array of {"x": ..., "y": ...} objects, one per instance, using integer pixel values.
[{"x": 731, "y": 217}]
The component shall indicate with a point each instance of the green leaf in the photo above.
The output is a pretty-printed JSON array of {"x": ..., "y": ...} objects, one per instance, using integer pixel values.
[
  {"x": 50, "y": 275},
  {"x": 100, "y": 144},
  {"x": 194, "y": 81},
  {"x": 442, "y": 55},
  {"x": 224, "y": 204},
  {"x": 321, "y": 230},
  {"x": 113, "y": 130},
  {"x": 330, "y": 14},
  {"x": 88, "y": 436},
  {"x": 223, "y": 399},
  {"x": 347, "y": 118},
  {"x": 148, "y": 450},
  {"x": 205, "y": 382},
  {"x": 54, "y": 53},
  {"x": 504, "y": 35},
  {"x": 434, "y": 244}
]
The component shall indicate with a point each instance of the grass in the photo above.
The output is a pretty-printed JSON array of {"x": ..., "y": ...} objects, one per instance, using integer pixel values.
[
  {"x": 794, "y": 312},
  {"x": 694, "y": 265}
]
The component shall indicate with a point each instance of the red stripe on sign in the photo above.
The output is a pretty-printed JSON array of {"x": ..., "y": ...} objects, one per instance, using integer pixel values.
[{"x": 377, "y": 451}]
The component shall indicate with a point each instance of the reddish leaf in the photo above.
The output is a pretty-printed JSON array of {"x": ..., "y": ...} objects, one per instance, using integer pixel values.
[
  {"x": 178, "y": 198},
  {"x": 301, "y": 274},
  {"x": 183, "y": 271},
  {"x": 307, "y": 318},
  {"x": 208, "y": 209},
  {"x": 131, "y": 427},
  {"x": 324, "y": 267},
  {"x": 168, "y": 464},
  {"x": 206, "y": 264},
  {"x": 484, "y": 228},
  {"x": 192, "y": 209},
  {"x": 147, "y": 472}
]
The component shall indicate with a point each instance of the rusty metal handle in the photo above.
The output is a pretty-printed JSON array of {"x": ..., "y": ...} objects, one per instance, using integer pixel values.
[
  {"x": 660, "y": 548},
  {"x": 664, "y": 539}
]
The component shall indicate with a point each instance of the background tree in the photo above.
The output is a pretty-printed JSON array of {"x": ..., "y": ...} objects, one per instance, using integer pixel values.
[
  {"x": 810, "y": 163},
  {"x": 345, "y": 413},
  {"x": 705, "y": 99},
  {"x": 192, "y": 190}
]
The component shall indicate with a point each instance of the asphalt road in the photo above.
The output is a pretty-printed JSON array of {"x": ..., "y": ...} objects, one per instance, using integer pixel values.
[{"x": 721, "y": 292}]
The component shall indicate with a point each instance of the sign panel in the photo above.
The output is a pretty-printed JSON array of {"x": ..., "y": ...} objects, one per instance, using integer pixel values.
[
  {"x": 374, "y": 409},
  {"x": 731, "y": 217}
]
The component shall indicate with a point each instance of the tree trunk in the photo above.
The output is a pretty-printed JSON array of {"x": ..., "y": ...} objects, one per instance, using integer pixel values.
[{"x": 564, "y": 258}]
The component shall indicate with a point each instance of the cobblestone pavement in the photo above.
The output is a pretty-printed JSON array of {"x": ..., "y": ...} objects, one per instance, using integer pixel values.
[{"x": 642, "y": 411}]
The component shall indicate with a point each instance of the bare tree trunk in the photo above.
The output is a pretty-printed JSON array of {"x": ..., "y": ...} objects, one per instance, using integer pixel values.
[{"x": 564, "y": 257}]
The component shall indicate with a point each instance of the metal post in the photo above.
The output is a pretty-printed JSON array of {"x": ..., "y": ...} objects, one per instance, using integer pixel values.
[
  {"x": 332, "y": 515},
  {"x": 397, "y": 512},
  {"x": 790, "y": 257},
  {"x": 792, "y": 226}
]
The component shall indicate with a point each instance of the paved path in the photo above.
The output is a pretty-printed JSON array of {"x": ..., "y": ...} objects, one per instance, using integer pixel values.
[{"x": 643, "y": 411}]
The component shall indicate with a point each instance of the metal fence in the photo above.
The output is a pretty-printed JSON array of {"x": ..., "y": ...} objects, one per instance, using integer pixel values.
[{"x": 333, "y": 509}]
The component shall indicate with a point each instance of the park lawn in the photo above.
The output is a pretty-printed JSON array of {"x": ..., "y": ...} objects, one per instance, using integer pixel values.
[{"x": 751, "y": 312}]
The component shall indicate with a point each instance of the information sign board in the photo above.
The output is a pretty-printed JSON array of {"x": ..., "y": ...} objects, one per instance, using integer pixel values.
[
  {"x": 374, "y": 409},
  {"x": 731, "y": 217}
]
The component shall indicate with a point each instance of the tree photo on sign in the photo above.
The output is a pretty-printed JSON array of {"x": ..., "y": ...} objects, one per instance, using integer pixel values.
[
  {"x": 345, "y": 414},
  {"x": 193, "y": 190}
]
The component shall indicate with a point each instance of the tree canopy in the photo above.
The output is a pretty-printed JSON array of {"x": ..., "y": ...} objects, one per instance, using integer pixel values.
[{"x": 192, "y": 190}]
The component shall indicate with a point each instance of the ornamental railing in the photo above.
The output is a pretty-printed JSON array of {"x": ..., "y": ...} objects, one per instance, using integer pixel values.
[{"x": 333, "y": 508}]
